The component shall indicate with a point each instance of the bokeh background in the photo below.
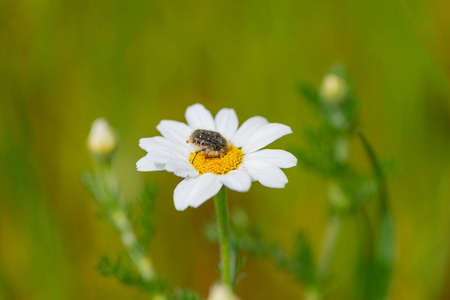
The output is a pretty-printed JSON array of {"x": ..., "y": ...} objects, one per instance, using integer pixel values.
[{"x": 65, "y": 63}]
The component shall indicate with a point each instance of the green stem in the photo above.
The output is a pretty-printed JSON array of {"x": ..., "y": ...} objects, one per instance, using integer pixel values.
[
  {"x": 134, "y": 249},
  {"x": 329, "y": 244},
  {"x": 384, "y": 205},
  {"x": 384, "y": 244},
  {"x": 122, "y": 223},
  {"x": 221, "y": 203}
]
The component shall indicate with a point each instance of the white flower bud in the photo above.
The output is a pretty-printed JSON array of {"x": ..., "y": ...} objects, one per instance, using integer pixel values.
[
  {"x": 145, "y": 269},
  {"x": 341, "y": 150},
  {"x": 101, "y": 140},
  {"x": 312, "y": 295},
  {"x": 338, "y": 199},
  {"x": 333, "y": 89},
  {"x": 338, "y": 120},
  {"x": 221, "y": 292}
]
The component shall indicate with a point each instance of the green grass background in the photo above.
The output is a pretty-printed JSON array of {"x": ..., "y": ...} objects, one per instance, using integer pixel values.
[{"x": 65, "y": 63}]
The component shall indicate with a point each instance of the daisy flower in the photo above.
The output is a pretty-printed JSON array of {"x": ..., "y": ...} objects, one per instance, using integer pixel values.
[{"x": 213, "y": 152}]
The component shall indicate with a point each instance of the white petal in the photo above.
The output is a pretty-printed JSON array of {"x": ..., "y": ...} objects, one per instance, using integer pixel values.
[
  {"x": 264, "y": 136},
  {"x": 279, "y": 158},
  {"x": 247, "y": 129},
  {"x": 160, "y": 156},
  {"x": 227, "y": 122},
  {"x": 237, "y": 180},
  {"x": 180, "y": 150},
  {"x": 195, "y": 191},
  {"x": 198, "y": 117},
  {"x": 266, "y": 173},
  {"x": 181, "y": 168},
  {"x": 145, "y": 165},
  {"x": 174, "y": 131}
]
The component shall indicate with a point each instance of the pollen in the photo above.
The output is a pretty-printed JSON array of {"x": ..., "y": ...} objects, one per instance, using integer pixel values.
[{"x": 221, "y": 165}]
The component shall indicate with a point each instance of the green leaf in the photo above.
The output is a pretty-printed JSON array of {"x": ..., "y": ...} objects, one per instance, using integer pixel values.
[
  {"x": 303, "y": 264},
  {"x": 123, "y": 270},
  {"x": 310, "y": 94},
  {"x": 184, "y": 295},
  {"x": 383, "y": 195},
  {"x": 143, "y": 216},
  {"x": 384, "y": 251}
]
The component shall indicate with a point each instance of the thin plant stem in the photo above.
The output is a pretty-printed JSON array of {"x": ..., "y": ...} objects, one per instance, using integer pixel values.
[
  {"x": 334, "y": 222},
  {"x": 384, "y": 205},
  {"x": 221, "y": 203},
  {"x": 329, "y": 244},
  {"x": 134, "y": 249},
  {"x": 384, "y": 246},
  {"x": 121, "y": 221}
]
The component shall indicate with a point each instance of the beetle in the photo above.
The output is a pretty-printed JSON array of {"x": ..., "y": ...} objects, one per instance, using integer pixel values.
[{"x": 211, "y": 143}]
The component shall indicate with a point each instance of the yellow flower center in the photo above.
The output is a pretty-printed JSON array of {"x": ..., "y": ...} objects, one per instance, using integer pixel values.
[{"x": 218, "y": 165}]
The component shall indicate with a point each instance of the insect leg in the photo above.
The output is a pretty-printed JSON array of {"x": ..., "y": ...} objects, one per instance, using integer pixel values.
[{"x": 196, "y": 152}]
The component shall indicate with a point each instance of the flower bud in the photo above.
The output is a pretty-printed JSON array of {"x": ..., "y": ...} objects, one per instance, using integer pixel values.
[
  {"x": 312, "y": 294},
  {"x": 341, "y": 150},
  {"x": 338, "y": 199},
  {"x": 221, "y": 292},
  {"x": 333, "y": 89},
  {"x": 102, "y": 140}
]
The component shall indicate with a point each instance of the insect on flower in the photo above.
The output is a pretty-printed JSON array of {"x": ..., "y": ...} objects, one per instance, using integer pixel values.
[
  {"x": 211, "y": 143},
  {"x": 213, "y": 152}
]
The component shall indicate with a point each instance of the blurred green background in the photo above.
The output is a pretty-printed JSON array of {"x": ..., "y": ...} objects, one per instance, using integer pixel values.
[{"x": 65, "y": 63}]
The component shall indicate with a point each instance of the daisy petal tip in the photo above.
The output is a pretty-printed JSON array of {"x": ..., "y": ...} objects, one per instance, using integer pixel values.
[
  {"x": 143, "y": 142},
  {"x": 145, "y": 165},
  {"x": 196, "y": 105},
  {"x": 180, "y": 206},
  {"x": 140, "y": 164},
  {"x": 278, "y": 185},
  {"x": 290, "y": 130},
  {"x": 179, "y": 199},
  {"x": 246, "y": 189},
  {"x": 139, "y": 167},
  {"x": 239, "y": 181},
  {"x": 265, "y": 135},
  {"x": 197, "y": 116},
  {"x": 142, "y": 168},
  {"x": 160, "y": 125},
  {"x": 196, "y": 205},
  {"x": 227, "y": 122},
  {"x": 292, "y": 161},
  {"x": 284, "y": 128},
  {"x": 241, "y": 189}
]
